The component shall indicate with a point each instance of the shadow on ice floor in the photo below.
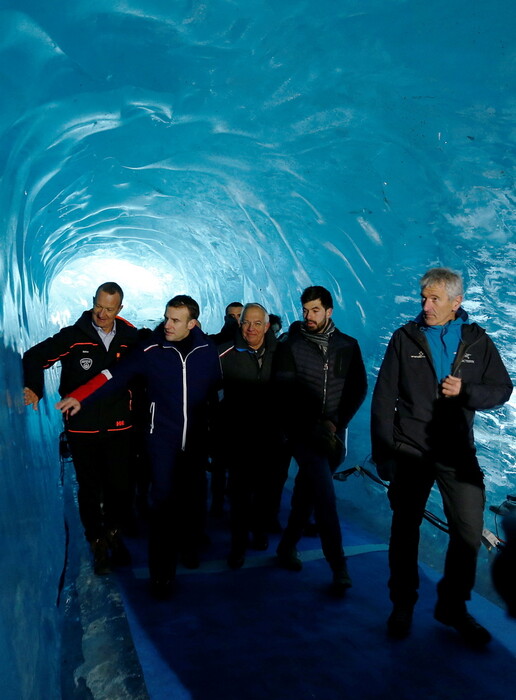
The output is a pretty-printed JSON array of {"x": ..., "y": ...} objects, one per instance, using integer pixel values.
[{"x": 264, "y": 633}]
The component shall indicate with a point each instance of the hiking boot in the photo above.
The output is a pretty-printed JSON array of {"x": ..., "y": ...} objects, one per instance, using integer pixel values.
[
  {"x": 400, "y": 620},
  {"x": 469, "y": 629},
  {"x": 341, "y": 580},
  {"x": 100, "y": 552},
  {"x": 289, "y": 559}
]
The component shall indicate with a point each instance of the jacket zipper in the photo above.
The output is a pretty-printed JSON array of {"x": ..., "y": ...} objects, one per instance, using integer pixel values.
[
  {"x": 185, "y": 400},
  {"x": 460, "y": 356},
  {"x": 325, "y": 384},
  {"x": 152, "y": 408}
]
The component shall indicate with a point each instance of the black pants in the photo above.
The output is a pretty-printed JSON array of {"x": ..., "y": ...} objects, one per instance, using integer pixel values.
[
  {"x": 276, "y": 473},
  {"x": 256, "y": 481},
  {"x": 247, "y": 497},
  {"x": 103, "y": 466},
  {"x": 177, "y": 515},
  {"x": 314, "y": 492},
  {"x": 463, "y": 502}
]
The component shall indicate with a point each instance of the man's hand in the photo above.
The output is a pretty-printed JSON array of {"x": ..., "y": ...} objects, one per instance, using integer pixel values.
[
  {"x": 68, "y": 404},
  {"x": 451, "y": 386},
  {"x": 30, "y": 397}
]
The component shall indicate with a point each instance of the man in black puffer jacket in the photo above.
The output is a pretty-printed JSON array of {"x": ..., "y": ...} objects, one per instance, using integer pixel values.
[
  {"x": 99, "y": 437},
  {"x": 321, "y": 383},
  {"x": 437, "y": 371}
]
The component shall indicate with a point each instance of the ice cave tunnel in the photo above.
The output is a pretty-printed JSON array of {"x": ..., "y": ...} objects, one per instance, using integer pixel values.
[{"x": 238, "y": 150}]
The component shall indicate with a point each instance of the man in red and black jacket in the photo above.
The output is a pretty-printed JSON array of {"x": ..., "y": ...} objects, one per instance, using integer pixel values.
[
  {"x": 99, "y": 437},
  {"x": 181, "y": 370}
]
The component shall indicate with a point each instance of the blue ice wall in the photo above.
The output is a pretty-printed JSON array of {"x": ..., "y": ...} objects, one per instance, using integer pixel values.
[{"x": 238, "y": 149}]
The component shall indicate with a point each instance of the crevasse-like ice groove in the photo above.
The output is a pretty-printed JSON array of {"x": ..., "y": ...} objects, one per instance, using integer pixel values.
[{"x": 240, "y": 149}]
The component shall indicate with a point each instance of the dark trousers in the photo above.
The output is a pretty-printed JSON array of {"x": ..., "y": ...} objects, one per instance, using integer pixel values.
[
  {"x": 314, "y": 492},
  {"x": 103, "y": 468},
  {"x": 276, "y": 472},
  {"x": 177, "y": 515},
  {"x": 247, "y": 497},
  {"x": 218, "y": 482},
  {"x": 463, "y": 502}
]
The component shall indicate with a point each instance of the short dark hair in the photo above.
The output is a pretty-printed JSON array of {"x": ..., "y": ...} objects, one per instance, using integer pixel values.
[
  {"x": 234, "y": 303},
  {"x": 185, "y": 300},
  {"x": 110, "y": 288},
  {"x": 314, "y": 293}
]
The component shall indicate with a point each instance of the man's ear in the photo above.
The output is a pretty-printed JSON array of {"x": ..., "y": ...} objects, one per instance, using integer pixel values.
[{"x": 457, "y": 303}]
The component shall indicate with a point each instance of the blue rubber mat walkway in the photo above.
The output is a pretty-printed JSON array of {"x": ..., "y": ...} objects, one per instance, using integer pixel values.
[{"x": 264, "y": 633}]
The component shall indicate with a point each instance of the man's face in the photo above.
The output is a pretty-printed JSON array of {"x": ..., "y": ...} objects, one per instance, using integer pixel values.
[
  {"x": 234, "y": 312},
  {"x": 105, "y": 308},
  {"x": 438, "y": 308},
  {"x": 315, "y": 316},
  {"x": 254, "y": 327},
  {"x": 178, "y": 323}
]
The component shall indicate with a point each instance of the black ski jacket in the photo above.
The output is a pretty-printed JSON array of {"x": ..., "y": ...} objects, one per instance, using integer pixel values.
[
  {"x": 410, "y": 415},
  {"x": 83, "y": 355},
  {"x": 248, "y": 395}
]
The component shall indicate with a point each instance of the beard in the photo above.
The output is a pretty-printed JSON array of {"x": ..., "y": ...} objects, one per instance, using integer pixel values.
[{"x": 318, "y": 328}]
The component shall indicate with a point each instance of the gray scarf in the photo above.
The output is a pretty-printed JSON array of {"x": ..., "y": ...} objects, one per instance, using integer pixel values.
[{"x": 320, "y": 339}]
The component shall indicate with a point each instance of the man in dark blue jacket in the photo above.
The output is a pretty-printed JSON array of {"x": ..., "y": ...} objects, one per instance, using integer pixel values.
[
  {"x": 322, "y": 383},
  {"x": 437, "y": 371},
  {"x": 181, "y": 369},
  {"x": 99, "y": 437}
]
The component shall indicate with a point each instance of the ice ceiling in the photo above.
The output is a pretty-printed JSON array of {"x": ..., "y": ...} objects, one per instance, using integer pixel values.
[{"x": 243, "y": 149}]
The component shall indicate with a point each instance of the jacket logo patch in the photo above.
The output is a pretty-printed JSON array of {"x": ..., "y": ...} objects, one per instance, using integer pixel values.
[
  {"x": 467, "y": 358},
  {"x": 421, "y": 356},
  {"x": 86, "y": 362}
]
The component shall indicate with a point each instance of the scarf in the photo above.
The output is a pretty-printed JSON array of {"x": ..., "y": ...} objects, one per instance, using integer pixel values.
[{"x": 320, "y": 339}]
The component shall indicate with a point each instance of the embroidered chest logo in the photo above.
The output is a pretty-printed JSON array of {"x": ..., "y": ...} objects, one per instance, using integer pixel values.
[
  {"x": 86, "y": 362},
  {"x": 420, "y": 356},
  {"x": 467, "y": 359}
]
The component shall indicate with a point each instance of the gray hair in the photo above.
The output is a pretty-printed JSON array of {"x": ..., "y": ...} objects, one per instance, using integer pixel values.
[
  {"x": 451, "y": 280},
  {"x": 254, "y": 305}
]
